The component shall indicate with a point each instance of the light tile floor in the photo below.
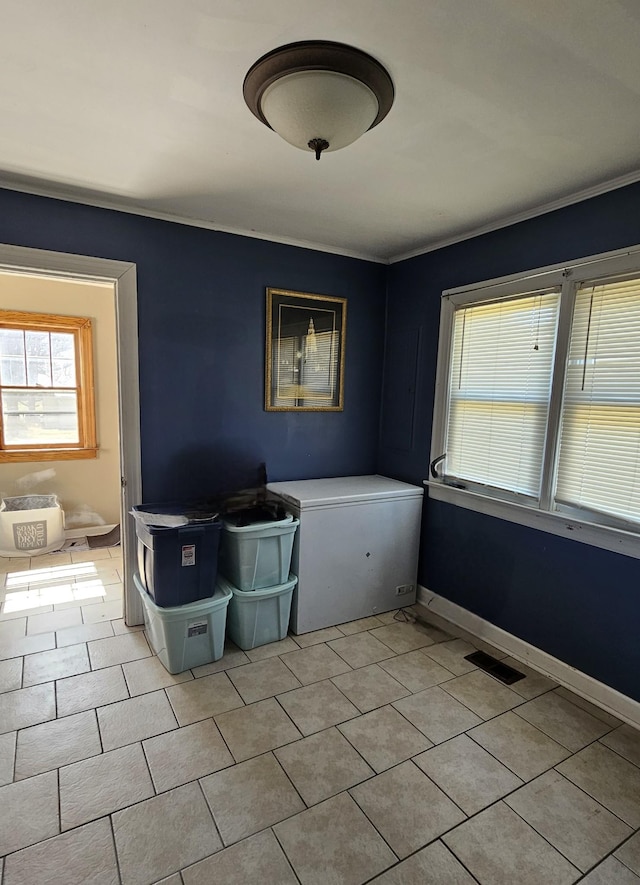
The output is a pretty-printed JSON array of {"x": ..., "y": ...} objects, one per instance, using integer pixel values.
[
  {"x": 61, "y": 591},
  {"x": 369, "y": 752}
]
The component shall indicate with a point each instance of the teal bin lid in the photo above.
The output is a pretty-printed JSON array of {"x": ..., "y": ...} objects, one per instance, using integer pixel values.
[
  {"x": 229, "y": 525},
  {"x": 220, "y": 599},
  {"x": 254, "y": 595}
]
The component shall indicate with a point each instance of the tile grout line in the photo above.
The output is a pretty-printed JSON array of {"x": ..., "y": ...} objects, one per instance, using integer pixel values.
[
  {"x": 525, "y": 783},
  {"x": 224, "y": 741},
  {"x": 199, "y": 777},
  {"x": 98, "y": 729},
  {"x": 286, "y": 774},
  {"x": 471, "y": 639},
  {"x": 622, "y": 844},
  {"x": 286, "y": 856},
  {"x": 486, "y": 808},
  {"x": 544, "y": 838},
  {"x": 406, "y": 718},
  {"x": 459, "y": 859},
  {"x": 488, "y": 718},
  {"x": 466, "y": 816},
  {"x": 213, "y": 820},
  {"x": 247, "y": 706},
  {"x": 146, "y": 762},
  {"x": 417, "y": 851},
  {"x": 612, "y": 749},
  {"x": 522, "y": 786},
  {"x": 328, "y": 679},
  {"x": 353, "y": 747},
  {"x": 113, "y": 842},
  {"x": 521, "y": 700},
  {"x": 15, "y": 760},
  {"x": 374, "y": 774},
  {"x": 601, "y": 804},
  {"x": 204, "y": 718},
  {"x": 59, "y": 803},
  {"x": 364, "y": 813},
  {"x": 304, "y": 684},
  {"x": 591, "y": 744},
  {"x": 102, "y": 816},
  {"x": 497, "y": 759},
  {"x": 571, "y": 754}
]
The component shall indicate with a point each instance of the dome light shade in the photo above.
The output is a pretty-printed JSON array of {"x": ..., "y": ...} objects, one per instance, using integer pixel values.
[
  {"x": 319, "y": 104},
  {"x": 318, "y": 96}
]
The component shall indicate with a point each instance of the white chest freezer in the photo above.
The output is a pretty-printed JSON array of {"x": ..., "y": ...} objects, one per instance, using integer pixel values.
[{"x": 356, "y": 548}]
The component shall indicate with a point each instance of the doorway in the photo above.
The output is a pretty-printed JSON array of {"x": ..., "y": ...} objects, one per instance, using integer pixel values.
[{"x": 115, "y": 281}]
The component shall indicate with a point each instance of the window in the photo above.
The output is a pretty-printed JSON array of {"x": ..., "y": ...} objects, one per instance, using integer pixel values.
[
  {"x": 599, "y": 462},
  {"x": 499, "y": 386},
  {"x": 46, "y": 387},
  {"x": 538, "y": 401}
]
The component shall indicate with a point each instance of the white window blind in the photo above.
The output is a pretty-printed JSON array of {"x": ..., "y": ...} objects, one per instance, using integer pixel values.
[
  {"x": 599, "y": 462},
  {"x": 320, "y": 364},
  {"x": 284, "y": 371},
  {"x": 499, "y": 388}
]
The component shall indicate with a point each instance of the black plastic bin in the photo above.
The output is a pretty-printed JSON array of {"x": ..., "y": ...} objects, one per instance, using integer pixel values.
[{"x": 178, "y": 564}]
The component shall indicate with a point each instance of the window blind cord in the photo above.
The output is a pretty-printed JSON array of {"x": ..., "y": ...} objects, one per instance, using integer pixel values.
[
  {"x": 536, "y": 346},
  {"x": 464, "y": 323},
  {"x": 586, "y": 341}
]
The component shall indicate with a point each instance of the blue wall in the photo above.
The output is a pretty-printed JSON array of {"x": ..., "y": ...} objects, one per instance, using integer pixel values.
[
  {"x": 201, "y": 311},
  {"x": 578, "y": 603},
  {"x": 201, "y": 305}
]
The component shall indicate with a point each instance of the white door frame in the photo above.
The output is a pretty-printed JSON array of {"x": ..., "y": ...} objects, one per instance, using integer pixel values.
[{"x": 122, "y": 274}]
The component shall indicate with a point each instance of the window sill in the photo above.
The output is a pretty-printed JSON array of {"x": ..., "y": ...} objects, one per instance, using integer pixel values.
[
  {"x": 616, "y": 540},
  {"x": 22, "y": 455}
]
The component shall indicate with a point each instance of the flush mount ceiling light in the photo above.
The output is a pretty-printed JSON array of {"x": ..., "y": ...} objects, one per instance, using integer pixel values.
[{"x": 318, "y": 95}]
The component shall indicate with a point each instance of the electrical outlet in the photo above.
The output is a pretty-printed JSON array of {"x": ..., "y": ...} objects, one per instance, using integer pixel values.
[{"x": 403, "y": 589}]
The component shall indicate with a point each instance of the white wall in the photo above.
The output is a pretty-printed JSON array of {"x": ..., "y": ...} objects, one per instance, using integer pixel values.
[{"x": 89, "y": 490}]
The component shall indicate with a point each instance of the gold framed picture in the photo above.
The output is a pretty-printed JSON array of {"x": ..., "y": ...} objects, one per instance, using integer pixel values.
[{"x": 305, "y": 347}]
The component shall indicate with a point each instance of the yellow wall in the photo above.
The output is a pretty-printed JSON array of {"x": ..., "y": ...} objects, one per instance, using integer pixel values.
[{"x": 89, "y": 491}]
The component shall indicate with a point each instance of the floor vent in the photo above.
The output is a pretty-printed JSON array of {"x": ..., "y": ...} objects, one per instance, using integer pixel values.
[{"x": 495, "y": 668}]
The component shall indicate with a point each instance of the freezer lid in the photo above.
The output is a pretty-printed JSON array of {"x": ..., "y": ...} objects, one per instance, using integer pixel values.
[{"x": 307, "y": 493}]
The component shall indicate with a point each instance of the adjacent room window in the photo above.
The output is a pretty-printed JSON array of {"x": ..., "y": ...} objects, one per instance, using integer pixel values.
[
  {"x": 538, "y": 394},
  {"x": 46, "y": 387}
]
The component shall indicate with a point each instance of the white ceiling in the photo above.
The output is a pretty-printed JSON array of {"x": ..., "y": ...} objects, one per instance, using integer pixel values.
[{"x": 502, "y": 107}]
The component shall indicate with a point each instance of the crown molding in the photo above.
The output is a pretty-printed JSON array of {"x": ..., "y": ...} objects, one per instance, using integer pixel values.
[
  {"x": 116, "y": 206},
  {"x": 507, "y": 221},
  {"x": 585, "y": 194}
]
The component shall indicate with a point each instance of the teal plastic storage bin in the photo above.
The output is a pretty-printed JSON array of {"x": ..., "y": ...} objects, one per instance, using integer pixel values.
[
  {"x": 257, "y": 617},
  {"x": 186, "y": 636},
  {"x": 258, "y": 555}
]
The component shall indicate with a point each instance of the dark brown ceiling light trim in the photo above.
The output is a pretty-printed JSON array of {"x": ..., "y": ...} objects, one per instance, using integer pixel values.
[{"x": 318, "y": 55}]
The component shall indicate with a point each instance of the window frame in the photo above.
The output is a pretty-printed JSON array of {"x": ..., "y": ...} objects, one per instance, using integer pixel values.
[
  {"x": 504, "y": 504},
  {"x": 81, "y": 328}
]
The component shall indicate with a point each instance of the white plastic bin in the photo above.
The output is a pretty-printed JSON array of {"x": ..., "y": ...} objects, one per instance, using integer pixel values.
[
  {"x": 186, "y": 636},
  {"x": 257, "y": 617},
  {"x": 256, "y": 556},
  {"x": 31, "y": 525}
]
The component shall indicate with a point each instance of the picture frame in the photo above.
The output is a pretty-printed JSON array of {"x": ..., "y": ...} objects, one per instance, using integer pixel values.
[{"x": 304, "y": 352}]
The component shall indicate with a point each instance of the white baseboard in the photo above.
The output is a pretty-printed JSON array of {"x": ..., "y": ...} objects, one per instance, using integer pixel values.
[{"x": 587, "y": 687}]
